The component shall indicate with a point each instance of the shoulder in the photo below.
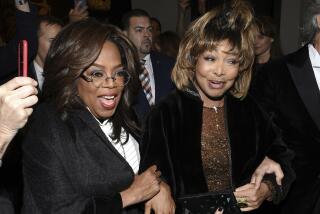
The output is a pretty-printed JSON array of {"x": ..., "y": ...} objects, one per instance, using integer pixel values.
[
  {"x": 298, "y": 56},
  {"x": 273, "y": 73},
  {"x": 156, "y": 56},
  {"x": 45, "y": 132},
  {"x": 46, "y": 126},
  {"x": 44, "y": 113},
  {"x": 175, "y": 103},
  {"x": 170, "y": 101}
]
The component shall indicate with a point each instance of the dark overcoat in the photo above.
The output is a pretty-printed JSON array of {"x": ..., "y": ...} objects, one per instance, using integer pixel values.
[
  {"x": 70, "y": 166},
  {"x": 172, "y": 141},
  {"x": 288, "y": 90}
]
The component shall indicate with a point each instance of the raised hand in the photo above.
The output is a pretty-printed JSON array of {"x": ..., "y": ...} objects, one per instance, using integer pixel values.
[{"x": 16, "y": 100}]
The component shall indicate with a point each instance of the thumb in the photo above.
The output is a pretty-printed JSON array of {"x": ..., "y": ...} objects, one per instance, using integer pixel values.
[{"x": 147, "y": 208}]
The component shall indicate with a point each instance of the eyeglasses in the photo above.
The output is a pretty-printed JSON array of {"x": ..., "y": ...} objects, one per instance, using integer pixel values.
[{"x": 119, "y": 78}]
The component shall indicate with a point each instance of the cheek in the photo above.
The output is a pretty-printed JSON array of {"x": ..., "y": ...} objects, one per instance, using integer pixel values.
[
  {"x": 85, "y": 93},
  {"x": 46, "y": 48},
  {"x": 233, "y": 74},
  {"x": 200, "y": 80},
  {"x": 201, "y": 69},
  {"x": 266, "y": 43}
]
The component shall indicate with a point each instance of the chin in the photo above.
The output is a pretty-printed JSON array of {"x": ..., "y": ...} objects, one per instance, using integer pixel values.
[
  {"x": 216, "y": 95},
  {"x": 106, "y": 115}
]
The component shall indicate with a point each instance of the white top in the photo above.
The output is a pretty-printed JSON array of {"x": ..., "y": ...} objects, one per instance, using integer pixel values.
[
  {"x": 315, "y": 62},
  {"x": 39, "y": 73},
  {"x": 129, "y": 151},
  {"x": 148, "y": 66}
]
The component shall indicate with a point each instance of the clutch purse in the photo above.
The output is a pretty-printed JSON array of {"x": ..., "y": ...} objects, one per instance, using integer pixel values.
[{"x": 207, "y": 203}]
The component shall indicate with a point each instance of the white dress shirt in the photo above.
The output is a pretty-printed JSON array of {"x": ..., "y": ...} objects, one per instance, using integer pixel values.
[
  {"x": 315, "y": 62},
  {"x": 129, "y": 151},
  {"x": 39, "y": 73},
  {"x": 148, "y": 66}
]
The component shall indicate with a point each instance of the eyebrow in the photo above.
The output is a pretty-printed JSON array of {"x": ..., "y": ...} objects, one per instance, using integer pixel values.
[
  {"x": 142, "y": 27},
  {"x": 101, "y": 66},
  {"x": 235, "y": 54}
]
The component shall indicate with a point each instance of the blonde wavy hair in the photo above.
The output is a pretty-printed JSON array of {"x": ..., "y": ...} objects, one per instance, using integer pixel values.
[{"x": 233, "y": 22}]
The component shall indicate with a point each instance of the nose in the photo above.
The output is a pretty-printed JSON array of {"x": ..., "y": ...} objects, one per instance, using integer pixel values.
[
  {"x": 108, "y": 83},
  {"x": 218, "y": 70},
  {"x": 147, "y": 33}
]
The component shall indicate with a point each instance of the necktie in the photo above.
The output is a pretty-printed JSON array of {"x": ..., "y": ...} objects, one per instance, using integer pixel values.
[{"x": 145, "y": 82}]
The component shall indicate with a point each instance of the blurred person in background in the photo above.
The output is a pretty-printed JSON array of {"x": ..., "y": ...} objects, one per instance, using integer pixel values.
[
  {"x": 156, "y": 31},
  {"x": 167, "y": 43},
  {"x": 156, "y": 27},
  {"x": 266, "y": 46},
  {"x": 48, "y": 28}
]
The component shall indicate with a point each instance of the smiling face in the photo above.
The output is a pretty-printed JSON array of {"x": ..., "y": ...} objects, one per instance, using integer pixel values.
[
  {"x": 104, "y": 100},
  {"x": 216, "y": 72}
]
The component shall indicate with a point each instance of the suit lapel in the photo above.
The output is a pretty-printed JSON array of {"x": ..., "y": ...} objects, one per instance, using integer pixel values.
[
  {"x": 301, "y": 71},
  {"x": 93, "y": 125},
  {"x": 156, "y": 67}
]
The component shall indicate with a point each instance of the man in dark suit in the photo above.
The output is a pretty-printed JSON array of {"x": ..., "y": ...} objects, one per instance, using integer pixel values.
[
  {"x": 137, "y": 26},
  {"x": 48, "y": 28},
  {"x": 289, "y": 90}
]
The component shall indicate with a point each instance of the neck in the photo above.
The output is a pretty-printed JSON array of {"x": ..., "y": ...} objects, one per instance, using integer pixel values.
[
  {"x": 208, "y": 101},
  {"x": 39, "y": 61},
  {"x": 263, "y": 58},
  {"x": 213, "y": 103},
  {"x": 316, "y": 42}
]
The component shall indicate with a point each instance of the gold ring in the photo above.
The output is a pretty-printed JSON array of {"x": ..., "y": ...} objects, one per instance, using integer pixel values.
[{"x": 242, "y": 203}]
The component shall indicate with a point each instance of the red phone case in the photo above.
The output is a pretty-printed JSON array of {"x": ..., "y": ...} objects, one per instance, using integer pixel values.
[{"x": 23, "y": 58}]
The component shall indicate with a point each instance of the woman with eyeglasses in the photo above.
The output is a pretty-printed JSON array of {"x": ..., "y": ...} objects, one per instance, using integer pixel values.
[{"x": 81, "y": 153}]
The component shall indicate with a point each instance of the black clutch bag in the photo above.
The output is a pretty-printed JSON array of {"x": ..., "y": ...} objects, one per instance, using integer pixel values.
[{"x": 207, "y": 203}]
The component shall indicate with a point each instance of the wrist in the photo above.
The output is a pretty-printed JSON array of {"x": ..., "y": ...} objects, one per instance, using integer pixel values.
[
  {"x": 6, "y": 135},
  {"x": 267, "y": 187},
  {"x": 165, "y": 186},
  {"x": 127, "y": 198}
]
